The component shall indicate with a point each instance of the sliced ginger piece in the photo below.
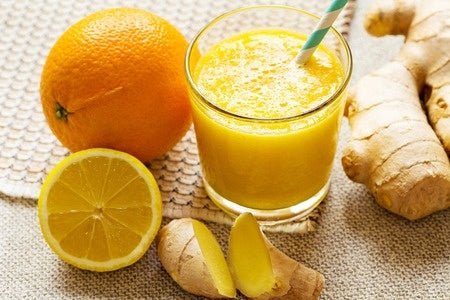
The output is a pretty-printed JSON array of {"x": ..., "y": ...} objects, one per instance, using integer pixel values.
[
  {"x": 194, "y": 259},
  {"x": 249, "y": 258},
  {"x": 215, "y": 259},
  {"x": 261, "y": 271}
]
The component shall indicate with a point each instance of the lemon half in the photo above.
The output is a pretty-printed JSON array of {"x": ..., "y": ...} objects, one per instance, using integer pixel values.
[{"x": 100, "y": 209}]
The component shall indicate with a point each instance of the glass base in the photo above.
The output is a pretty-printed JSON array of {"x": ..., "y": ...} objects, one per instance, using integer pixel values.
[{"x": 269, "y": 216}]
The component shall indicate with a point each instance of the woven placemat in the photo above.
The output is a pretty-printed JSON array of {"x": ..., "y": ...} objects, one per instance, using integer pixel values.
[{"x": 28, "y": 149}]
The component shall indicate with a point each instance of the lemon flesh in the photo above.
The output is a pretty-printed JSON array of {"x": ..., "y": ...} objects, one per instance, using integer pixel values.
[{"x": 100, "y": 209}]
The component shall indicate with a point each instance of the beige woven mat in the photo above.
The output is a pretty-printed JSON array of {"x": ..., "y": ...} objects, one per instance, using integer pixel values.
[{"x": 28, "y": 150}]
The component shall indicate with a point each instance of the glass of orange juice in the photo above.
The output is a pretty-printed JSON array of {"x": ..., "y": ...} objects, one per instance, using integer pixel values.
[{"x": 267, "y": 129}]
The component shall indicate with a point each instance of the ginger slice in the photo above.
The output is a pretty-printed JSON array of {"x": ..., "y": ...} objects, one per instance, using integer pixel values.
[
  {"x": 194, "y": 259},
  {"x": 249, "y": 258},
  {"x": 261, "y": 271}
]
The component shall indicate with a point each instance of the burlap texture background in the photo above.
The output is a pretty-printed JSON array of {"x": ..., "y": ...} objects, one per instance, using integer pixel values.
[{"x": 363, "y": 251}]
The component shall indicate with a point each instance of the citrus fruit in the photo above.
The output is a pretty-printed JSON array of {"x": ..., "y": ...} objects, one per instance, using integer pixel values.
[
  {"x": 100, "y": 209},
  {"x": 115, "y": 79}
]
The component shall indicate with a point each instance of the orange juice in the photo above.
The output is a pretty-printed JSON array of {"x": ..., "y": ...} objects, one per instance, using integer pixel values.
[{"x": 267, "y": 129}]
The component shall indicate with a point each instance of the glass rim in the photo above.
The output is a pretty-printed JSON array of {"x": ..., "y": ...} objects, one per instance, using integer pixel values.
[{"x": 329, "y": 100}]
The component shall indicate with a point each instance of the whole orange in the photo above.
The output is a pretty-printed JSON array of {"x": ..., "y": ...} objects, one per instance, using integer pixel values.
[{"x": 115, "y": 80}]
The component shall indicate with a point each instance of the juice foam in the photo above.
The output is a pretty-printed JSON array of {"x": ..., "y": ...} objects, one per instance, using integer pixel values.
[{"x": 253, "y": 74}]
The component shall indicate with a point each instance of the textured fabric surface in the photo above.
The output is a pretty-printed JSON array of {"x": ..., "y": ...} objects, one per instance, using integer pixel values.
[
  {"x": 363, "y": 251},
  {"x": 29, "y": 149}
]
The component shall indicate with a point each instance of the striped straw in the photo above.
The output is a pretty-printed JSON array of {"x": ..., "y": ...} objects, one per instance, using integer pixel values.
[{"x": 320, "y": 31}]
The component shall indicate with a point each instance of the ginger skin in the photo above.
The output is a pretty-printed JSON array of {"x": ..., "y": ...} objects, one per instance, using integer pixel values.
[
  {"x": 393, "y": 150},
  {"x": 296, "y": 281},
  {"x": 425, "y": 53}
]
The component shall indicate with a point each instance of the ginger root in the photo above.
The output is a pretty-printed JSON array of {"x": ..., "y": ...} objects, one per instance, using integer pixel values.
[
  {"x": 393, "y": 150},
  {"x": 193, "y": 258},
  {"x": 295, "y": 280},
  {"x": 258, "y": 269}
]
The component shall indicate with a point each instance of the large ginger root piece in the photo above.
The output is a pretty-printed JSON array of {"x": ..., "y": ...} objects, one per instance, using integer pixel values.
[
  {"x": 261, "y": 271},
  {"x": 426, "y": 54},
  {"x": 192, "y": 256},
  {"x": 392, "y": 149}
]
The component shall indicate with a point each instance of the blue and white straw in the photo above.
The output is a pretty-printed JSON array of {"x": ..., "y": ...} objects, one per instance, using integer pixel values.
[{"x": 320, "y": 31}]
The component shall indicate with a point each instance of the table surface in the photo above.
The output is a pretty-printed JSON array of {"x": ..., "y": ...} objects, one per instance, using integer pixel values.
[{"x": 363, "y": 251}]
